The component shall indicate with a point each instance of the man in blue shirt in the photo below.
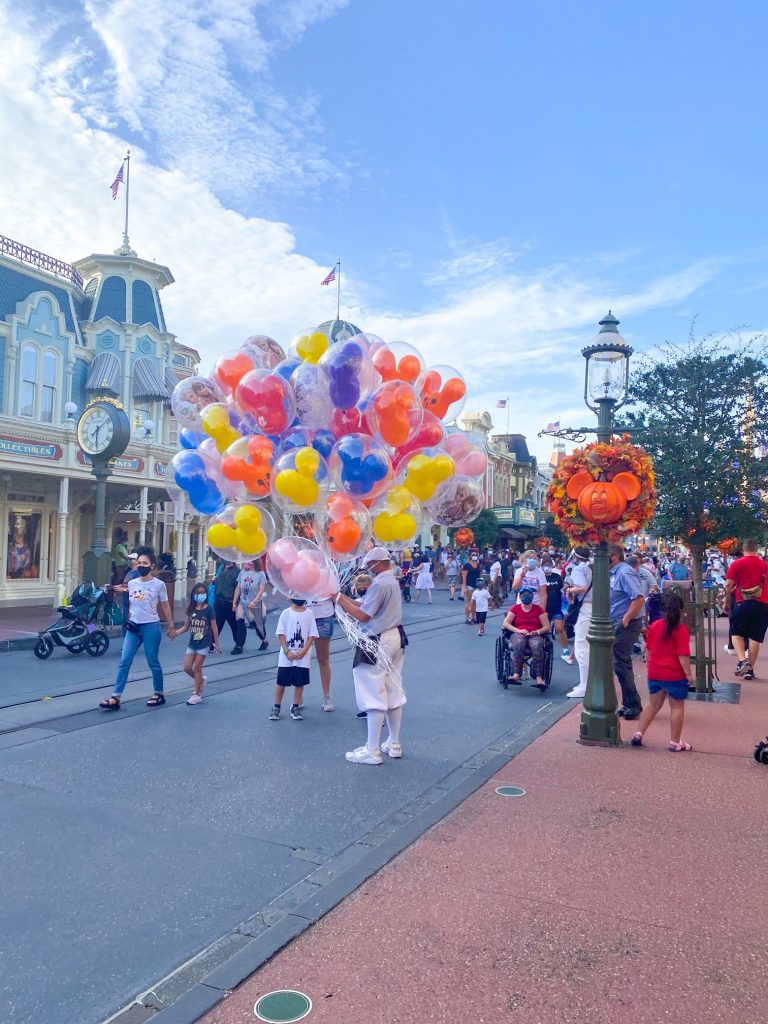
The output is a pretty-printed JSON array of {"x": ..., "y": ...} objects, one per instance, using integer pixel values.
[{"x": 627, "y": 604}]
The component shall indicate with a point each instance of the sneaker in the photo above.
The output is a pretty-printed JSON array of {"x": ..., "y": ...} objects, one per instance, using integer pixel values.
[
  {"x": 566, "y": 653},
  {"x": 577, "y": 693},
  {"x": 195, "y": 699},
  {"x": 274, "y": 715},
  {"x": 361, "y": 714},
  {"x": 748, "y": 674},
  {"x": 236, "y": 650},
  {"x": 362, "y": 755},
  {"x": 392, "y": 749},
  {"x": 296, "y": 714},
  {"x": 299, "y": 706},
  {"x": 569, "y": 659},
  {"x": 729, "y": 650},
  {"x": 264, "y": 645},
  {"x": 327, "y": 705},
  {"x": 741, "y": 667}
]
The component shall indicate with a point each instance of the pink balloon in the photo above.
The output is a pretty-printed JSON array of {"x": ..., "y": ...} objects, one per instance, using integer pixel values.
[
  {"x": 283, "y": 555},
  {"x": 474, "y": 463},
  {"x": 304, "y": 574}
]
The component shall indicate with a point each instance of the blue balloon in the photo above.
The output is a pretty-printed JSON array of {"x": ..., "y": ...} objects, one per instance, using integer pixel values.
[
  {"x": 286, "y": 368},
  {"x": 191, "y": 475},
  {"x": 343, "y": 367},
  {"x": 323, "y": 442},
  {"x": 190, "y": 439},
  {"x": 295, "y": 437}
]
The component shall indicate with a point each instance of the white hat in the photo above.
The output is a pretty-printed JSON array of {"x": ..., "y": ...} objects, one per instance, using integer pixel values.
[{"x": 376, "y": 555}]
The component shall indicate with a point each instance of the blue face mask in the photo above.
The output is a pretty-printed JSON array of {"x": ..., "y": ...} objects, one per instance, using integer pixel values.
[
  {"x": 201, "y": 598},
  {"x": 526, "y": 598},
  {"x": 531, "y": 563}
]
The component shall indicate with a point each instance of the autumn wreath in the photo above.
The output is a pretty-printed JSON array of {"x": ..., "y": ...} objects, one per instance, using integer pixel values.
[{"x": 604, "y": 491}]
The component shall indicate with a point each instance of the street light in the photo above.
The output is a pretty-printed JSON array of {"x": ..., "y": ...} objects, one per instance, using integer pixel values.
[{"x": 606, "y": 380}]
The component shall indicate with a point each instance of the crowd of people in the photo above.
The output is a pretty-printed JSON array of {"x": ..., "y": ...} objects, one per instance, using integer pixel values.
[{"x": 550, "y": 591}]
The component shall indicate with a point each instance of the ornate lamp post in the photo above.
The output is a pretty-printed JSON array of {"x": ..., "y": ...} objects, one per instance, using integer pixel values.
[{"x": 605, "y": 390}]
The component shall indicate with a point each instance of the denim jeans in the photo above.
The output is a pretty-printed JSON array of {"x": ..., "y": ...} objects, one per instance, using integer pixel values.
[
  {"x": 626, "y": 638},
  {"x": 149, "y": 635}
]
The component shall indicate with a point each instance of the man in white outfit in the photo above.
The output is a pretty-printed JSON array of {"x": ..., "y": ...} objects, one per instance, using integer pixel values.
[
  {"x": 581, "y": 587},
  {"x": 379, "y": 689}
]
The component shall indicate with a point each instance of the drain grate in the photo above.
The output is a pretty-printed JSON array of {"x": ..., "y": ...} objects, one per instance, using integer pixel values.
[
  {"x": 725, "y": 693},
  {"x": 510, "y": 791},
  {"x": 282, "y": 1007}
]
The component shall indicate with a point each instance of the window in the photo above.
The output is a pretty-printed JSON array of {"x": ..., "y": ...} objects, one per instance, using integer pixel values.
[
  {"x": 39, "y": 374},
  {"x": 23, "y": 546}
]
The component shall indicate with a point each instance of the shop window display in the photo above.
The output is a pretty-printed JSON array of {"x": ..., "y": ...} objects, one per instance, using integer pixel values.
[{"x": 23, "y": 561}]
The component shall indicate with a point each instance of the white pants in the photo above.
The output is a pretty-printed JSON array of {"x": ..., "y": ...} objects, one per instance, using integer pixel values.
[
  {"x": 375, "y": 688},
  {"x": 580, "y": 643}
]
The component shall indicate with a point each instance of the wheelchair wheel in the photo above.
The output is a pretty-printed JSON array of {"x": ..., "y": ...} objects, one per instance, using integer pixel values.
[
  {"x": 500, "y": 648},
  {"x": 548, "y": 659}
]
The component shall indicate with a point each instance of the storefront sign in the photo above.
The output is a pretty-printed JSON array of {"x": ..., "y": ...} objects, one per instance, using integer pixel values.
[
  {"x": 125, "y": 465},
  {"x": 29, "y": 449},
  {"x": 161, "y": 468}
]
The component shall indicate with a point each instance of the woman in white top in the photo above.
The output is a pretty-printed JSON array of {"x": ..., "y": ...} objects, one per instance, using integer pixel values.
[
  {"x": 424, "y": 580},
  {"x": 250, "y": 602},
  {"x": 145, "y": 596},
  {"x": 530, "y": 574}
]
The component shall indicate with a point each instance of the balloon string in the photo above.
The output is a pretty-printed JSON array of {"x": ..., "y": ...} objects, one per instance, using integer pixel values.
[{"x": 369, "y": 645}]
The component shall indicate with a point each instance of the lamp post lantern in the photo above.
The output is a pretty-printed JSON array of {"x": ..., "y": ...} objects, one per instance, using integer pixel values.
[{"x": 606, "y": 379}]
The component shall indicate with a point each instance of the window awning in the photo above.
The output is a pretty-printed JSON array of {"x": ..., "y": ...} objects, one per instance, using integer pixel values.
[
  {"x": 507, "y": 531},
  {"x": 171, "y": 380},
  {"x": 104, "y": 374},
  {"x": 147, "y": 382}
]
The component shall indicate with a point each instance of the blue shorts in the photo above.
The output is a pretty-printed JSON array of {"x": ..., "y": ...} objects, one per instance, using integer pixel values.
[
  {"x": 677, "y": 690},
  {"x": 325, "y": 627},
  {"x": 555, "y": 615}
]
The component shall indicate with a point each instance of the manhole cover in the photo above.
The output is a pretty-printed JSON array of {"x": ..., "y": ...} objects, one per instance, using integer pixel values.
[
  {"x": 510, "y": 791},
  {"x": 283, "y": 1006}
]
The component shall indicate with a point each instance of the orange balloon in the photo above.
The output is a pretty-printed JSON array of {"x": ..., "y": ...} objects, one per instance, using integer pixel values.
[
  {"x": 409, "y": 369},
  {"x": 339, "y": 506},
  {"x": 385, "y": 364},
  {"x": 343, "y": 536},
  {"x": 232, "y": 370}
]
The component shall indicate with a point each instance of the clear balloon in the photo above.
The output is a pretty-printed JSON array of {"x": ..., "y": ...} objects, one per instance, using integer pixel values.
[
  {"x": 298, "y": 568},
  {"x": 323, "y": 441},
  {"x": 360, "y": 466},
  {"x": 396, "y": 518},
  {"x": 346, "y": 421},
  {"x": 346, "y": 374},
  {"x": 430, "y": 435},
  {"x": 230, "y": 369},
  {"x": 426, "y": 474},
  {"x": 444, "y": 392},
  {"x": 399, "y": 361},
  {"x": 190, "y": 397},
  {"x": 217, "y": 424},
  {"x": 193, "y": 474},
  {"x": 310, "y": 345},
  {"x": 394, "y": 413},
  {"x": 470, "y": 458},
  {"x": 313, "y": 406},
  {"x": 460, "y": 504},
  {"x": 190, "y": 438},
  {"x": 249, "y": 461},
  {"x": 295, "y": 437},
  {"x": 342, "y": 527},
  {"x": 300, "y": 480},
  {"x": 241, "y": 532},
  {"x": 287, "y": 366},
  {"x": 265, "y": 352},
  {"x": 268, "y": 400}
]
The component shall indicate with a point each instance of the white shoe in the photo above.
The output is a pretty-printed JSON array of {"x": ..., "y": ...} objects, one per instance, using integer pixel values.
[
  {"x": 195, "y": 699},
  {"x": 729, "y": 650},
  {"x": 577, "y": 692},
  {"x": 362, "y": 755},
  {"x": 392, "y": 749},
  {"x": 569, "y": 659},
  {"x": 327, "y": 705}
]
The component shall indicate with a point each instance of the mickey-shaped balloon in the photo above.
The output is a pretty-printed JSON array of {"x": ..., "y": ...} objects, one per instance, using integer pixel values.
[
  {"x": 399, "y": 361},
  {"x": 230, "y": 370},
  {"x": 395, "y": 413},
  {"x": 361, "y": 466},
  {"x": 310, "y": 345},
  {"x": 426, "y": 473},
  {"x": 347, "y": 374},
  {"x": 342, "y": 527},
  {"x": 193, "y": 474},
  {"x": 249, "y": 461},
  {"x": 297, "y": 567},
  {"x": 268, "y": 400},
  {"x": 300, "y": 477},
  {"x": 603, "y": 501},
  {"x": 241, "y": 532},
  {"x": 444, "y": 392},
  {"x": 218, "y": 425},
  {"x": 396, "y": 518}
]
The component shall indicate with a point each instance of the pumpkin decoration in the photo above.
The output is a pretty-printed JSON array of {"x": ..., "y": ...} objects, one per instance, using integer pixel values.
[
  {"x": 464, "y": 537},
  {"x": 603, "y": 491}
]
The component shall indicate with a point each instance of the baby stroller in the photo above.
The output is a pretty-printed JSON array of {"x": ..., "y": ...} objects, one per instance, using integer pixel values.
[{"x": 76, "y": 629}]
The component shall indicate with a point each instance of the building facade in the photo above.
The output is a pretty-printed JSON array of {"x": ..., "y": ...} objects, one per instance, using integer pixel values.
[{"x": 70, "y": 332}]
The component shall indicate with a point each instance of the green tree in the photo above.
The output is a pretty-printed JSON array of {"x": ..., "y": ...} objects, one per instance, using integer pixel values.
[
  {"x": 701, "y": 411},
  {"x": 485, "y": 528}
]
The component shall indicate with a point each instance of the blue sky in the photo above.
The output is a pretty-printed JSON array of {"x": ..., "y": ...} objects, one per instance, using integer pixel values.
[{"x": 494, "y": 175}]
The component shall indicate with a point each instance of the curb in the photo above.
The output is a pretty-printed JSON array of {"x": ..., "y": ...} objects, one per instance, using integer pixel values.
[{"x": 265, "y": 933}]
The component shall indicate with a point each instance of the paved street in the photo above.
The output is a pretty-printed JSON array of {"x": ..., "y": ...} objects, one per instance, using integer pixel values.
[{"x": 136, "y": 840}]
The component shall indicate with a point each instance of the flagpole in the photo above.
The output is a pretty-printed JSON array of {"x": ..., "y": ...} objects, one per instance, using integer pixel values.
[
  {"x": 338, "y": 289},
  {"x": 507, "y": 414},
  {"x": 126, "y": 244}
]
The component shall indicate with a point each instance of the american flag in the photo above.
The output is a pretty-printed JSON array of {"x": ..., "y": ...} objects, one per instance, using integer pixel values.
[
  {"x": 116, "y": 183},
  {"x": 501, "y": 403},
  {"x": 331, "y": 277},
  {"x": 554, "y": 426}
]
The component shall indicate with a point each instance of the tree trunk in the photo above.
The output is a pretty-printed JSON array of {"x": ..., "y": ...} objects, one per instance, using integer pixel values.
[{"x": 702, "y": 675}]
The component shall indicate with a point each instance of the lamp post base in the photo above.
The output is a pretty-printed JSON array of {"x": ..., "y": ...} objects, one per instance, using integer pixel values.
[
  {"x": 599, "y": 730},
  {"x": 599, "y": 724}
]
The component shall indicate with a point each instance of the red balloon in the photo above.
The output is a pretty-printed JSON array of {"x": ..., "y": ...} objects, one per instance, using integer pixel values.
[
  {"x": 430, "y": 435},
  {"x": 268, "y": 398},
  {"x": 346, "y": 421}
]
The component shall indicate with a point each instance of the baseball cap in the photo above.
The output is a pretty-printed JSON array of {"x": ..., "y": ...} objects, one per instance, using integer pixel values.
[
  {"x": 527, "y": 590},
  {"x": 376, "y": 555}
]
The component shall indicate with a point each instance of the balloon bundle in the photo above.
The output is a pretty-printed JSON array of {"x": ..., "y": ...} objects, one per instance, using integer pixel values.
[{"x": 347, "y": 439}]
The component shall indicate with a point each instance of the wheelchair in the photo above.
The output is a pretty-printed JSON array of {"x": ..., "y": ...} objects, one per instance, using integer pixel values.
[{"x": 504, "y": 662}]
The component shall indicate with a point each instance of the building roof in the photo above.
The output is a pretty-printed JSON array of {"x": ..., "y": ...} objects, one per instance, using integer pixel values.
[
  {"x": 17, "y": 285},
  {"x": 517, "y": 444}
]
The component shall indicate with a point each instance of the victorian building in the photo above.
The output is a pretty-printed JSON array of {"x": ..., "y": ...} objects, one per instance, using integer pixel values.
[{"x": 67, "y": 334}]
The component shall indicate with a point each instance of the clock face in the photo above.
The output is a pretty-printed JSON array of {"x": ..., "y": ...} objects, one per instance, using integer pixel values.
[{"x": 95, "y": 430}]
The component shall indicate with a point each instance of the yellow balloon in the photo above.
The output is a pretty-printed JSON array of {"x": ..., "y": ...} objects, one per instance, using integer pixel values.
[
  {"x": 389, "y": 528},
  {"x": 301, "y": 490},
  {"x": 221, "y": 536},
  {"x": 310, "y": 347},
  {"x": 216, "y": 425},
  {"x": 251, "y": 543},
  {"x": 307, "y": 461},
  {"x": 424, "y": 474},
  {"x": 247, "y": 518},
  {"x": 398, "y": 500}
]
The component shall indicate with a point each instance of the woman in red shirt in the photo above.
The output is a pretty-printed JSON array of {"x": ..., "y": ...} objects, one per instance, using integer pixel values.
[
  {"x": 528, "y": 624},
  {"x": 669, "y": 671}
]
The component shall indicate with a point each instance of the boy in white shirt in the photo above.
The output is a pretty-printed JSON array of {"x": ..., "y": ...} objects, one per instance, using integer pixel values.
[
  {"x": 480, "y": 598},
  {"x": 296, "y": 632}
]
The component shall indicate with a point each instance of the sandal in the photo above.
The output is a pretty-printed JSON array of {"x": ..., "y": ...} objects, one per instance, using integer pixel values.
[
  {"x": 156, "y": 700},
  {"x": 110, "y": 704},
  {"x": 676, "y": 748},
  {"x": 637, "y": 739}
]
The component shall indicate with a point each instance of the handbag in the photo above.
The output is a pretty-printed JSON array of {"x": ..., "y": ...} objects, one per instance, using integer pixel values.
[
  {"x": 130, "y": 626},
  {"x": 573, "y": 614}
]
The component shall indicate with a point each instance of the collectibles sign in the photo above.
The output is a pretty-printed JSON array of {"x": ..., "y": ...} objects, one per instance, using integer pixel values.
[{"x": 30, "y": 449}]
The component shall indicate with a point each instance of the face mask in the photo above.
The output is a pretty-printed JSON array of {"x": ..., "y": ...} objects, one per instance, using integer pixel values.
[
  {"x": 201, "y": 598},
  {"x": 144, "y": 570},
  {"x": 526, "y": 598},
  {"x": 531, "y": 563}
]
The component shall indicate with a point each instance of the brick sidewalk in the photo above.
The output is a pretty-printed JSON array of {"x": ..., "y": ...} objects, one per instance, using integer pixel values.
[{"x": 626, "y": 885}]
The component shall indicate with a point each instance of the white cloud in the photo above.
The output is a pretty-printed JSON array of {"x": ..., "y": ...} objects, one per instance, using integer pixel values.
[{"x": 512, "y": 335}]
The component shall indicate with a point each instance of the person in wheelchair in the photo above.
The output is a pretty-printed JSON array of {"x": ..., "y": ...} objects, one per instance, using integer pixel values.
[{"x": 527, "y": 627}]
